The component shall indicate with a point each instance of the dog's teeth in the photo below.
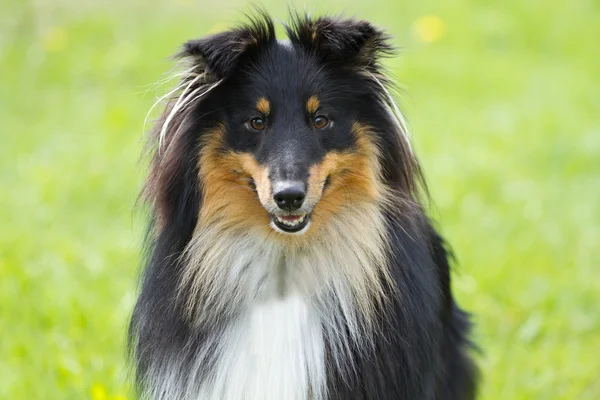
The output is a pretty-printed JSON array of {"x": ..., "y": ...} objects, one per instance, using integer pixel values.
[{"x": 291, "y": 223}]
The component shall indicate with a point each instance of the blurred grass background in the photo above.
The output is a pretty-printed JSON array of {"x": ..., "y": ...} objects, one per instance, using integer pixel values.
[{"x": 504, "y": 102}]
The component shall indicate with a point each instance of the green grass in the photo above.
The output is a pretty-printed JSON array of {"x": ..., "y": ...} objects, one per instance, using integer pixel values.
[{"x": 504, "y": 102}]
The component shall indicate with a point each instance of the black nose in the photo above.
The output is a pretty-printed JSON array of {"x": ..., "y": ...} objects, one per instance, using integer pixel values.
[{"x": 289, "y": 196}]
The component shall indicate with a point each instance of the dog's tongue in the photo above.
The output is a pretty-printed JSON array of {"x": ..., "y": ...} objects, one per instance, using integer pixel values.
[{"x": 290, "y": 217}]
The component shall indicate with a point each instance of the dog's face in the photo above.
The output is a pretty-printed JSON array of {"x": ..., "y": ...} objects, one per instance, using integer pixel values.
[
  {"x": 296, "y": 130},
  {"x": 291, "y": 135}
]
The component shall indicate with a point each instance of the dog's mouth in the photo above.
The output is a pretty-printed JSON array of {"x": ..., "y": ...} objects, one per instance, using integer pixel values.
[{"x": 292, "y": 223}]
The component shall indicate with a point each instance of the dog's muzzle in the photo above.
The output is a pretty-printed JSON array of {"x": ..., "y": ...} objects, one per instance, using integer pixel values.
[{"x": 289, "y": 197}]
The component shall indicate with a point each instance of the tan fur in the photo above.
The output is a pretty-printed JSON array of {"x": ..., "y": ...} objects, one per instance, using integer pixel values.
[
  {"x": 228, "y": 272},
  {"x": 224, "y": 266},
  {"x": 225, "y": 177},
  {"x": 313, "y": 104},
  {"x": 342, "y": 252},
  {"x": 354, "y": 179},
  {"x": 263, "y": 106}
]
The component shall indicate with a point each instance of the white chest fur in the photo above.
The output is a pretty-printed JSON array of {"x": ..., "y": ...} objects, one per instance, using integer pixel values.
[
  {"x": 286, "y": 304},
  {"x": 273, "y": 351}
]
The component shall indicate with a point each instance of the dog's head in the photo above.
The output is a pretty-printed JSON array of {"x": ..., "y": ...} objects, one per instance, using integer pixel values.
[{"x": 282, "y": 136}]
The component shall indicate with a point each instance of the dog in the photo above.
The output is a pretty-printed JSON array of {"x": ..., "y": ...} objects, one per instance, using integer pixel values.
[{"x": 289, "y": 255}]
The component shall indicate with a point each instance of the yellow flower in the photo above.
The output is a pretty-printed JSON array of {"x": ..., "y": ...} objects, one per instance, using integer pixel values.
[
  {"x": 429, "y": 28},
  {"x": 55, "y": 39},
  {"x": 98, "y": 392}
]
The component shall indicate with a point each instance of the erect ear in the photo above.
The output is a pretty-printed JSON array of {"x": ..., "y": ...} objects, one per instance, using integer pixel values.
[
  {"x": 344, "y": 40},
  {"x": 221, "y": 52}
]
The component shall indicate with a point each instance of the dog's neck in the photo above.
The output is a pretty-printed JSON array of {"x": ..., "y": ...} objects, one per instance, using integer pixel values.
[
  {"x": 275, "y": 312},
  {"x": 227, "y": 270}
]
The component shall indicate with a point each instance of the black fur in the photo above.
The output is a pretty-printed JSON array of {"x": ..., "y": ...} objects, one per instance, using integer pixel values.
[
  {"x": 421, "y": 350},
  {"x": 420, "y": 347}
]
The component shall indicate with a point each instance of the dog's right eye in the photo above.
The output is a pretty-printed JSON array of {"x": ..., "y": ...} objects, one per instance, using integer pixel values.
[
  {"x": 257, "y": 123},
  {"x": 320, "y": 122}
]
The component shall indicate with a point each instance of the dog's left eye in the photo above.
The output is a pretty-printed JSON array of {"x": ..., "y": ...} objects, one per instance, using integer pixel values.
[
  {"x": 257, "y": 123},
  {"x": 320, "y": 122}
]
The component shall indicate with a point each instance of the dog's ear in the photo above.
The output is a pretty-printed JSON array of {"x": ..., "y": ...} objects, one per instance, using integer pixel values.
[
  {"x": 220, "y": 53},
  {"x": 343, "y": 40}
]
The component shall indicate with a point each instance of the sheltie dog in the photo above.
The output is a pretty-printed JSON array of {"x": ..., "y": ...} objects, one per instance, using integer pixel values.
[{"x": 289, "y": 256}]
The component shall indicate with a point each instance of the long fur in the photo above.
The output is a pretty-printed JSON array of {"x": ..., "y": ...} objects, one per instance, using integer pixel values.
[{"x": 357, "y": 307}]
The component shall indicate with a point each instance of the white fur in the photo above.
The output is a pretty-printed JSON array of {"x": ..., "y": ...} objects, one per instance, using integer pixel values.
[
  {"x": 181, "y": 96},
  {"x": 184, "y": 100},
  {"x": 394, "y": 112},
  {"x": 273, "y": 351},
  {"x": 285, "y": 302}
]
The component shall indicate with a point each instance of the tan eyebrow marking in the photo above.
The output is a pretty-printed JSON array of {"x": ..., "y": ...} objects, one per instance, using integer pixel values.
[
  {"x": 263, "y": 106},
  {"x": 312, "y": 104}
]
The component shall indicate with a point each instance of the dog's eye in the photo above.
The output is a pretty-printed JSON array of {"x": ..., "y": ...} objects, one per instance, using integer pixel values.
[
  {"x": 320, "y": 122},
  {"x": 257, "y": 123}
]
